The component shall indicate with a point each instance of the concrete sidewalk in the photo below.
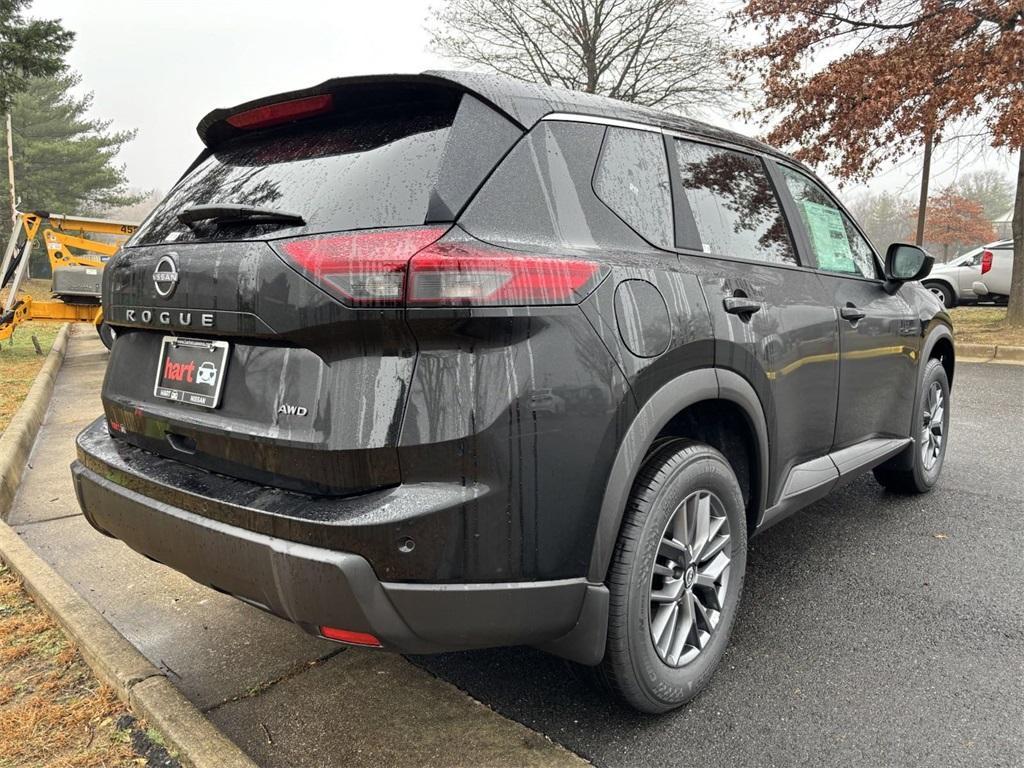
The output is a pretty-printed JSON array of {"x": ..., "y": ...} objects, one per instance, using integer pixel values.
[{"x": 286, "y": 698}]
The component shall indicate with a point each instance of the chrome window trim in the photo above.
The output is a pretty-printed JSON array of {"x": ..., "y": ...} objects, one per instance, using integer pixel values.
[{"x": 609, "y": 121}]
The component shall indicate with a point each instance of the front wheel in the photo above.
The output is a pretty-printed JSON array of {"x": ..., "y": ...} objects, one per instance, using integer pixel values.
[
  {"x": 918, "y": 472},
  {"x": 676, "y": 577}
]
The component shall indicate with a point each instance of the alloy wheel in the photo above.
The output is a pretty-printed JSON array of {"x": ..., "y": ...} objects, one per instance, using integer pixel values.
[
  {"x": 690, "y": 578},
  {"x": 932, "y": 429}
]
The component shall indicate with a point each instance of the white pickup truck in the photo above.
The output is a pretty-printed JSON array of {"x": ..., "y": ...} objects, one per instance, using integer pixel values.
[{"x": 982, "y": 274}]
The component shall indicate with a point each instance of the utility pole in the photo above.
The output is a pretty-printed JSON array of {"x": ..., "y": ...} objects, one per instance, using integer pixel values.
[{"x": 10, "y": 169}]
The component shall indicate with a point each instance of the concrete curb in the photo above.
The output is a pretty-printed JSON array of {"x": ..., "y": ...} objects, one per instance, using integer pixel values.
[
  {"x": 1010, "y": 353},
  {"x": 990, "y": 353},
  {"x": 17, "y": 440},
  {"x": 985, "y": 351},
  {"x": 115, "y": 661}
]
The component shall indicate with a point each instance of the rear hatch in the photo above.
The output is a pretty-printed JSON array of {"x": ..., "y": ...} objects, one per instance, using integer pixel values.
[{"x": 236, "y": 352}]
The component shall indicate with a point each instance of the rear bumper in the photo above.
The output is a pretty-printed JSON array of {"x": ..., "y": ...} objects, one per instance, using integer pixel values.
[{"x": 316, "y": 586}]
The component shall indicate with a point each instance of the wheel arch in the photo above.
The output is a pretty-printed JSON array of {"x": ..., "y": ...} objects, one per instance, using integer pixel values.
[
  {"x": 705, "y": 385},
  {"x": 938, "y": 344}
]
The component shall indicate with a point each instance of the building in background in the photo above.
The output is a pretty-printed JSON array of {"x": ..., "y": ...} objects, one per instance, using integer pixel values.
[{"x": 1003, "y": 225}]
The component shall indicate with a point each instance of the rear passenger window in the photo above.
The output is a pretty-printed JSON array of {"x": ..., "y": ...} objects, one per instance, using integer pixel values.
[
  {"x": 730, "y": 206},
  {"x": 542, "y": 194},
  {"x": 632, "y": 180},
  {"x": 836, "y": 243}
]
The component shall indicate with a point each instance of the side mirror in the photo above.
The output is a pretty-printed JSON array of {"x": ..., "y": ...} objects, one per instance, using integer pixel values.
[{"x": 905, "y": 262}]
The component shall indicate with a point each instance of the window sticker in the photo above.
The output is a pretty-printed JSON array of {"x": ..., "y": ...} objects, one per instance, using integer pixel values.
[{"x": 828, "y": 236}]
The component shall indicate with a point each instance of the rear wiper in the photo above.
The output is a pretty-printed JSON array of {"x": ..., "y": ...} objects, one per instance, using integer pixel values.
[{"x": 226, "y": 213}]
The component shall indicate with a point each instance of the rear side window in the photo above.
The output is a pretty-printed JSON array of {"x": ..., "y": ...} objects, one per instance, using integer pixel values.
[
  {"x": 632, "y": 179},
  {"x": 542, "y": 194},
  {"x": 730, "y": 207},
  {"x": 374, "y": 168},
  {"x": 835, "y": 241}
]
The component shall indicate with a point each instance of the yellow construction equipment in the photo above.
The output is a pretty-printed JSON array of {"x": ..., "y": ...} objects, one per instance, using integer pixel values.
[{"x": 76, "y": 277}]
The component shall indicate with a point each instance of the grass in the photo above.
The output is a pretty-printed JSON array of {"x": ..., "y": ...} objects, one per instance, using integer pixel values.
[
  {"x": 19, "y": 364},
  {"x": 53, "y": 711},
  {"x": 984, "y": 325}
]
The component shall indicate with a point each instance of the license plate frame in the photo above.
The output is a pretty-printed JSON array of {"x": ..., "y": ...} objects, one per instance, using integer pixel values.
[{"x": 190, "y": 383}]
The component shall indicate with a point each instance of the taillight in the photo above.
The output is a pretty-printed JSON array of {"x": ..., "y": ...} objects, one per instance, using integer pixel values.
[
  {"x": 360, "y": 268},
  {"x": 282, "y": 112},
  {"x": 408, "y": 266},
  {"x": 459, "y": 274},
  {"x": 986, "y": 261}
]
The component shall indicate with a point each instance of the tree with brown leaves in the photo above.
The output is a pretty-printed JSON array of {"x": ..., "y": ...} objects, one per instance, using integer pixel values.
[
  {"x": 900, "y": 75},
  {"x": 955, "y": 221}
]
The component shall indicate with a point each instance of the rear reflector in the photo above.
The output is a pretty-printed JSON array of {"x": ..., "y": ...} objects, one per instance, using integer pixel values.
[
  {"x": 348, "y": 636},
  {"x": 409, "y": 266},
  {"x": 986, "y": 261},
  {"x": 282, "y": 112}
]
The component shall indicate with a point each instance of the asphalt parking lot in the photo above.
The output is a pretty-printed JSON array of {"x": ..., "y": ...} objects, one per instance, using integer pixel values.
[{"x": 875, "y": 630}]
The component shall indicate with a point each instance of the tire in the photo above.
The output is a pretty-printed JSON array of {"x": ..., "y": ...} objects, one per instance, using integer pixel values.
[
  {"x": 919, "y": 471},
  {"x": 673, "y": 485},
  {"x": 943, "y": 292},
  {"x": 107, "y": 334}
]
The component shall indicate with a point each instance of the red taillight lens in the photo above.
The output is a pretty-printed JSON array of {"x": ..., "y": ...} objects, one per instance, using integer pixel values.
[
  {"x": 362, "y": 268},
  {"x": 986, "y": 261},
  {"x": 408, "y": 266},
  {"x": 348, "y": 636},
  {"x": 459, "y": 274},
  {"x": 282, "y": 112}
]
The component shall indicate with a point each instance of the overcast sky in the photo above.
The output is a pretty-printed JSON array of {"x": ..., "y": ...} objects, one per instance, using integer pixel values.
[{"x": 159, "y": 66}]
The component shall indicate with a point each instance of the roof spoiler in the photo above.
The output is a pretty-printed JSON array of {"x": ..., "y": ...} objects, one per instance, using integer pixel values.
[{"x": 330, "y": 96}]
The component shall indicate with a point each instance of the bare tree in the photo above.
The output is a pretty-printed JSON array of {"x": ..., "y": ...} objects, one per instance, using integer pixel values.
[{"x": 659, "y": 53}]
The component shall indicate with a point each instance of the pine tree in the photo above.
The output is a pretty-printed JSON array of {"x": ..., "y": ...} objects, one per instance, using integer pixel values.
[
  {"x": 28, "y": 48},
  {"x": 64, "y": 160}
]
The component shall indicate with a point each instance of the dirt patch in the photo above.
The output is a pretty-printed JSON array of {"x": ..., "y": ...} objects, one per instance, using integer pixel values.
[
  {"x": 38, "y": 289},
  {"x": 20, "y": 362},
  {"x": 984, "y": 325},
  {"x": 53, "y": 711}
]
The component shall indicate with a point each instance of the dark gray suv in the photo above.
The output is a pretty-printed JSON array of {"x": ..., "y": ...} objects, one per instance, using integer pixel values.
[{"x": 449, "y": 361}]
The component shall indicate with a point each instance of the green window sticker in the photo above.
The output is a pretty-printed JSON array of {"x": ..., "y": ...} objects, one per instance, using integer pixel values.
[{"x": 828, "y": 237}]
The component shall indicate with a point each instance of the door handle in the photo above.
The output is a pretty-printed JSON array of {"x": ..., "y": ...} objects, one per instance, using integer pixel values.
[
  {"x": 851, "y": 313},
  {"x": 741, "y": 305}
]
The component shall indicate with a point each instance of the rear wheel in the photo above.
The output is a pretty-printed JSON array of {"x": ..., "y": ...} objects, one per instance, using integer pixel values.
[
  {"x": 676, "y": 577},
  {"x": 943, "y": 293},
  {"x": 919, "y": 471}
]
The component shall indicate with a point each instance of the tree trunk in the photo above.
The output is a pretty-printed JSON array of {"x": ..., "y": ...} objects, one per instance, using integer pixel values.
[
  {"x": 926, "y": 172},
  {"x": 1015, "y": 313}
]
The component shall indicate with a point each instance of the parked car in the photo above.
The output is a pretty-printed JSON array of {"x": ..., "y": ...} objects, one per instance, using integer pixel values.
[
  {"x": 996, "y": 273},
  {"x": 991, "y": 265},
  {"x": 386, "y": 272}
]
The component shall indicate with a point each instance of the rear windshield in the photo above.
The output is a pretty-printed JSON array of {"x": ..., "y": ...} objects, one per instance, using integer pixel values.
[{"x": 374, "y": 169}]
